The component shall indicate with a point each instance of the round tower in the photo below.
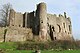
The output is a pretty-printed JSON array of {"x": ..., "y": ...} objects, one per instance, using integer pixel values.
[{"x": 42, "y": 15}]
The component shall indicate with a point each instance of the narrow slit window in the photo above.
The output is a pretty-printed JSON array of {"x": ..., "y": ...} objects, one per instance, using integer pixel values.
[
  {"x": 64, "y": 25},
  {"x": 69, "y": 28}
]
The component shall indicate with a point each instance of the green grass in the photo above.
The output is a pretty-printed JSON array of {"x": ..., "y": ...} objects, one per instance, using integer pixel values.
[
  {"x": 10, "y": 47},
  {"x": 44, "y": 51},
  {"x": 64, "y": 51},
  {"x": 18, "y": 51}
]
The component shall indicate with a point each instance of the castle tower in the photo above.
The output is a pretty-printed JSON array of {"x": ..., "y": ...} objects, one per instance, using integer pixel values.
[
  {"x": 42, "y": 15},
  {"x": 11, "y": 17}
]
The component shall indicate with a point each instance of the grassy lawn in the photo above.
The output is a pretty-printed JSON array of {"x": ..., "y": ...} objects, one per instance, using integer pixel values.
[
  {"x": 18, "y": 51},
  {"x": 64, "y": 51},
  {"x": 10, "y": 47},
  {"x": 44, "y": 51}
]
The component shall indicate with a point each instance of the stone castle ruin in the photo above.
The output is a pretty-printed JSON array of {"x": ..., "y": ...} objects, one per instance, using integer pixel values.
[{"x": 37, "y": 25}]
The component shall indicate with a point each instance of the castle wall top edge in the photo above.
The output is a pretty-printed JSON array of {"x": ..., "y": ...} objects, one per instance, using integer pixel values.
[{"x": 60, "y": 15}]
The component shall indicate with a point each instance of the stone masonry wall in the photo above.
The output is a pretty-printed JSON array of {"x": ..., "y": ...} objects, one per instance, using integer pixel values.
[
  {"x": 15, "y": 34},
  {"x": 60, "y": 27},
  {"x": 18, "y": 34},
  {"x": 16, "y": 19},
  {"x": 2, "y": 34}
]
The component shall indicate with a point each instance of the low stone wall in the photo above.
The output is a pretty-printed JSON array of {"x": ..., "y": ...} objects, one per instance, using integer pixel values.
[{"x": 15, "y": 34}]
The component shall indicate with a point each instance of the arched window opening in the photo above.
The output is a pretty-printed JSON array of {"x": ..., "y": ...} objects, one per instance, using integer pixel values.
[
  {"x": 51, "y": 33},
  {"x": 59, "y": 28},
  {"x": 53, "y": 29},
  {"x": 47, "y": 24}
]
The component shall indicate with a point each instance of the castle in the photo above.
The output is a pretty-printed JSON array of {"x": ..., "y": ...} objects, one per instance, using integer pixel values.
[{"x": 38, "y": 25}]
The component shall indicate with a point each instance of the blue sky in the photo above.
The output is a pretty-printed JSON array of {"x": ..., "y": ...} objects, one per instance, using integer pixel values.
[{"x": 71, "y": 7}]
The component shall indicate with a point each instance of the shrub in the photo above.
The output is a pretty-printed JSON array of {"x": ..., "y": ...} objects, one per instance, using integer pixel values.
[{"x": 48, "y": 45}]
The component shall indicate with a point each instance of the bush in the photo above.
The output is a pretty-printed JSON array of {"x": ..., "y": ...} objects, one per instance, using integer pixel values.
[
  {"x": 48, "y": 45},
  {"x": 32, "y": 46}
]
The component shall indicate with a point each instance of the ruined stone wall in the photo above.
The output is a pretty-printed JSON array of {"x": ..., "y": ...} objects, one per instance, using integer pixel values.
[
  {"x": 16, "y": 19},
  {"x": 28, "y": 18},
  {"x": 59, "y": 27},
  {"x": 12, "y": 18},
  {"x": 25, "y": 16},
  {"x": 2, "y": 34},
  {"x": 31, "y": 17},
  {"x": 38, "y": 24},
  {"x": 15, "y": 34}
]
